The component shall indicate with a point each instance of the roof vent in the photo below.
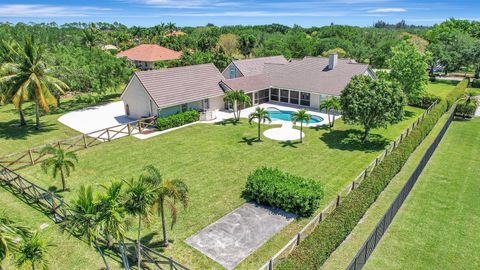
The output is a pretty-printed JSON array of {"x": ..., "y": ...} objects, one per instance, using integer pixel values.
[{"x": 332, "y": 60}]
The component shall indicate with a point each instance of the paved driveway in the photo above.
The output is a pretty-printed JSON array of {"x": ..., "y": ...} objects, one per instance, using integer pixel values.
[{"x": 95, "y": 118}]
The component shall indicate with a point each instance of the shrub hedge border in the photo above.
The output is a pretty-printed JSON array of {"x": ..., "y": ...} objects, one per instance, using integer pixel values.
[{"x": 328, "y": 235}]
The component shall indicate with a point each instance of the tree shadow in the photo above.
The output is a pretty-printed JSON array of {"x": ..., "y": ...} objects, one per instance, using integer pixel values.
[
  {"x": 351, "y": 140},
  {"x": 292, "y": 144},
  {"x": 12, "y": 130},
  {"x": 148, "y": 240},
  {"x": 248, "y": 141},
  {"x": 229, "y": 121},
  {"x": 320, "y": 127}
]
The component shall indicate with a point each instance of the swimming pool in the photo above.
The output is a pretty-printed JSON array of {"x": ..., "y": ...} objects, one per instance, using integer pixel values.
[{"x": 277, "y": 114}]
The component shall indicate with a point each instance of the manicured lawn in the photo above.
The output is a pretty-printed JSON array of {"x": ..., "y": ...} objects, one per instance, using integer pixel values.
[
  {"x": 441, "y": 87},
  {"x": 341, "y": 257},
  {"x": 474, "y": 91},
  {"x": 214, "y": 160},
  {"x": 437, "y": 227}
]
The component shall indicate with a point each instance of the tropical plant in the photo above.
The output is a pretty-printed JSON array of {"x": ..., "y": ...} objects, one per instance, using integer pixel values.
[
  {"x": 9, "y": 232},
  {"x": 111, "y": 212},
  {"x": 32, "y": 252},
  {"x": 167, "y": 192},
  {"x": 60, "y": 161},
  {"x": 329, "y": 105},
  {"x": 31, "y": 79},
  {"x": 238, "y": 99},
  {"x": 138, "y": 201},
  {"x": 301, "y": 116},
  {"x": 246, "y": 44},
  {"x": 261, "y": 115}
]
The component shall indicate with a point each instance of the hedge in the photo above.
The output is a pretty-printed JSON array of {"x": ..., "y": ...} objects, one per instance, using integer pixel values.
[
  {"x": 177, "y": 120},
  {"x": 288, "y": 192},
  {"x": 457, "y": 92},
  {"x": 426, "y": 101},
  {"x": 315, "y": 249},
  {"x": 466, "y": 109}
]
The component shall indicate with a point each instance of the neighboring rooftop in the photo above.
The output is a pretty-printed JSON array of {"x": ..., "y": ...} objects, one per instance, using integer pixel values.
[
  {"x": 150, "y": 53},
  {"x": 254, "y": 66},
  {"x": 180, "y": 85}
]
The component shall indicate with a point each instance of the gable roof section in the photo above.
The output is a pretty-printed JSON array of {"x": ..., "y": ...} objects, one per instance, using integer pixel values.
[
  {"x": 254, "y": 66},
  {"x": 174, "y": 86},
  {"x": 150, "y": 53},
  {"x": 248, "y": 84}
]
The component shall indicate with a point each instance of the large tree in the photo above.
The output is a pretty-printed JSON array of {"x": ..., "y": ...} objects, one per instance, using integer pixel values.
[
  {"x": 409, "y": 67},
  {"x": 60, "y": 162},
  {"x": 372, "y": 103},
  {"x": 246, "y": 44},
  {"x": 238, "y": 99}
]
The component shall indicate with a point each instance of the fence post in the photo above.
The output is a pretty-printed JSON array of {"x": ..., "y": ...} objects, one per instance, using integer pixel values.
[
  {"x": 376, "y": 161},
  {"x": 338, "y": 201},
  {"x": 353, "y": 185},
  {"x": 299, "y": 236},
  {"x": 85, "y": 141},
  {"x": 108, "y": 135},
  {"x": 139, "y": 127},
  {"x": 270, "y": 264},
  {"x": 32, "y": 161},
  {"x": 129, "y": 129}
]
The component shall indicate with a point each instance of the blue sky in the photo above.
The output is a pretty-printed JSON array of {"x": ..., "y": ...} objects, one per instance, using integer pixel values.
[{"x": 246, "y": 12}]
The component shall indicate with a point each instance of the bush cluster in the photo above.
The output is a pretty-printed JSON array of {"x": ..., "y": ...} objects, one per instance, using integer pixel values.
[
  {"x": 456, "y": 93},
  {"x": 316, "y": 248},
  {"x": 466, "y": 109},
  {"x": 426, "y": 101},
  {"x": 177, "y": 120},
  {"x": 288, "y": 192}
]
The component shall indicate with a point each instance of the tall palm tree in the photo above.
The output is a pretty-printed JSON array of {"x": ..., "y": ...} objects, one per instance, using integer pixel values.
[
  {"x": 32, "y": 79},
  {"x": 329, "y": 105},
  {"x": 168, "y": 192},
  {"x": 238, "y": 99},
  {"x": 261, "y": 115},
  {"x": 301, "y": 116},
  {"x": 32, "y": 253},
  {"x": 60, "y": 161},
  {"x": 139, "y": 199}
]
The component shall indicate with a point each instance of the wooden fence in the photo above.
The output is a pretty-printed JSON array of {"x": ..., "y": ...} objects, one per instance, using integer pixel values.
[
  {"x": 310, "y": 227},
  {"x": 33, "y": 155}
]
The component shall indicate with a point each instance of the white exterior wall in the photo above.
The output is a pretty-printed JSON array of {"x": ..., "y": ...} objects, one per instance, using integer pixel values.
[
  {"x": 314, "y": 100},
  {"x": 138, "y": 101},
  {"x": 216, "y": 103}
]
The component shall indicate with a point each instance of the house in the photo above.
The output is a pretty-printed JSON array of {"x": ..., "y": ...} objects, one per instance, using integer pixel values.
[
  {"x": 144, "y": 56},
  {"x": 251, "y": 66},
  {"x": 303, "y": 82},
  {"x": 175, "y": 34}
]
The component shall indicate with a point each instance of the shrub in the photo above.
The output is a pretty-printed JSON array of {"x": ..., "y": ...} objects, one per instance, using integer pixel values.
[
  {"x": 426, "y": 101},
  {"x": 456, "y": 93},
  {"x": 88, "y": 99},
  {"x": 466, "y": 109},
  {"x": 177, "y": 120},
  {"x": 329, "y": 234},
  {"x": 288, "y": 192}
]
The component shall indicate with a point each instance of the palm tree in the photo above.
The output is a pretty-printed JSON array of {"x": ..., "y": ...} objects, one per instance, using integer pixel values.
[
  {"x": 238, "y": 99},
  {"x": 139, "y": 199},
  {"x": 32, "y": 253},
  {"x": 301, "y": 116},
  {"x": 168, "y": 192},
  {"x": 261, "y": 115},
  {"x": 60, "y": 161},
  {"x": 9, "y": 232},
  {"x": 112, "y": 212},
  {"x": 329, "y": 105},
  {"x": 32, "y": 79}
]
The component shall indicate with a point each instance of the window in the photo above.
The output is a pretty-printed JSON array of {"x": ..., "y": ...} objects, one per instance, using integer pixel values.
[
  {"x": 284, "y": 95},
  {"x": 206, "y": 104},
  {"x": 184, "y": 107},
  {"x": 305, "y": 99},
  {"x": 294, "y": 97},
  {"x": 261, "y": 96},
  {"x": 233, "y": 72},
  {"x": 274, "y": 94}
]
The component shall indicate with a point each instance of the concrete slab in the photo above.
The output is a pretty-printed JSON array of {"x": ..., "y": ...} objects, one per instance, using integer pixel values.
[
  {"x": 235, "y": 236},
  {"x": 284, "y": 133}
]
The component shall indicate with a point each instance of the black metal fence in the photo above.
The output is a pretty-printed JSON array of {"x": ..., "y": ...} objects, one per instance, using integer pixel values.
[{"x": 369, "y": 246}]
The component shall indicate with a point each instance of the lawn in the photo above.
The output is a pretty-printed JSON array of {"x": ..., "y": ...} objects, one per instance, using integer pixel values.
[
  {"x": 474, "y": 91},
  {"x": 441, "y": 88},
  {"x": 214, "y": 160},
  {"x": 437, "y": 227}
]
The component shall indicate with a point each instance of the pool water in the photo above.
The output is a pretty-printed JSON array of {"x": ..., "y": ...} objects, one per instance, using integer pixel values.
[{"x": 277, "y": 114}]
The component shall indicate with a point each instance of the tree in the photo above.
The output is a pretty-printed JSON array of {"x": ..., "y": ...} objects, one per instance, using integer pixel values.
[
  {"x": 32, "y": 253},
  {"x": 112, "y": 212},
  {"x": 168, "y": 193},
  {"x": 409, "y": 67},
  {"x": 246, "y": 44},
  {"x": 33, "y": 79},
  {"x": 238, "y": 99},
  {"x": 372, "y": 104},
  {"x": 261, "y": 115},
  {"x": 301, "y": 116},
  {"x": 229, "y": 43},
  {"x": 339, "y": 51},
  {"x": 329, "y": 105},
  {"x": 9, "y": 233},
  {"x": 138, "y": 201},
  {"x": 60, "y": 161}
]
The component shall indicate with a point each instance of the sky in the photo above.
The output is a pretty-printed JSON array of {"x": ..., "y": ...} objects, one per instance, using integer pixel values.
[{"x": 246, "y": 12}]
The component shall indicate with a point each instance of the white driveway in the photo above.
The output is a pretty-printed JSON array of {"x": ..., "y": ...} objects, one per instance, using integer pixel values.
[{"x": 96, "y": 118}]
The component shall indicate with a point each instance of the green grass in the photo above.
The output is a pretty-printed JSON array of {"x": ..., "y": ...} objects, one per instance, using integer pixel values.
[
  {"x": 436, "y": 227},
  {"x": 215, "y": 160},
  {"x": 349, "y": 248},
  {"x": 441, "y": 88},
  {"x": 474, "y": 91}
]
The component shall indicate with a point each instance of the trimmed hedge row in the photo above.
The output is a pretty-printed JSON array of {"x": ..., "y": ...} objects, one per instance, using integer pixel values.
[
  {"x": 177, "y": 120},
  {"x": 426, "y": 101},
  {"x": 457, "y": 92},
  {"x": 288, "y": 192},
  {"x": 315, "y": 249},
  {"x": 466, "y": 110}
]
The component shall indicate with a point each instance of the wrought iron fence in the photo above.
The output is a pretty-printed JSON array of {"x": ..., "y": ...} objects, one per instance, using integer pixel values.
[{"x": 368, "y": 247}]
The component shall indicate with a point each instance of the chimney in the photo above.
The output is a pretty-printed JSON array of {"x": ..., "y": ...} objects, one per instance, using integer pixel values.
[{"x": 332, "y": 60}]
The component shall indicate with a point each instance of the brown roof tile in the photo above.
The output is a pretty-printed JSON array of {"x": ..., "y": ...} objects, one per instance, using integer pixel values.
[{"x": 254, "y": 66}]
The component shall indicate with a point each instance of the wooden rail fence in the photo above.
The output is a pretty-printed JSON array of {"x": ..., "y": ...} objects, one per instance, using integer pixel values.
[
  {"x": 313, "y": 223},
  {"x": 33, "y": 155}
]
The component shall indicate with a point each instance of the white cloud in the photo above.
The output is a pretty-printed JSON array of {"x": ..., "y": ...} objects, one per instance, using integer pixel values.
[
  {"x": 31, "y": 11},
  {"x": 189, "y": 3},
  {"x": 257, "y": 14},
  {"x": 387, "y": 10}
]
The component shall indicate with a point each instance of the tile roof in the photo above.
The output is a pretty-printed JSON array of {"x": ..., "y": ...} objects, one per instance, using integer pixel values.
[
  {"x": 174, "y": 86},
  {"x": 248, "y": 84},
  {"x": 150, "y": 53},
  {"x": 254, "y": 66}
]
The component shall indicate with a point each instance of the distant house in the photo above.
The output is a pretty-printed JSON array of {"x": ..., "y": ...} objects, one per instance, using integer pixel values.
[
  {"x": 175, "y": 34},
  {"x": 303, "y": 82},
  {"x": 144, "y": 56}
]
